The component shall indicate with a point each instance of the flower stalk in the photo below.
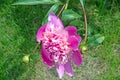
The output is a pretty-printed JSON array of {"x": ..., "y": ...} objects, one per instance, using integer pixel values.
[
  {"x": 67, "y": 2},
  {"x": 61, "y": 10},
  {"x": 63, "y": 7},
  {"x": 36, "y": 47},
  {"x": 85, "y": 23}
]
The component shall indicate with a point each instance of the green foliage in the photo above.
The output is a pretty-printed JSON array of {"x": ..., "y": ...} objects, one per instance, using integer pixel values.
[
  {"x": 75, "y": 22},
  {"x": 95, "y": 40},
  {"x": 69, "y": 14},
  {"x": 36, "y": 2},
  {"x": 82, "y": 2}
]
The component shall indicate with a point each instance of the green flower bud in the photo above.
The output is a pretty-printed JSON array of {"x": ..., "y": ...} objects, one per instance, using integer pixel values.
[
  {"x": 84, "y": 48},
  {"x": 26, "y": 59}
]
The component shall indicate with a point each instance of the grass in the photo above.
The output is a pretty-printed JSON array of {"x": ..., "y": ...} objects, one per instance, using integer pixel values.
[{"x": 18, "y": 27}]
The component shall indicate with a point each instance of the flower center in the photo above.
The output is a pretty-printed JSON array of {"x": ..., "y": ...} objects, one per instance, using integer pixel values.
[{"x": 57, "y": 47}]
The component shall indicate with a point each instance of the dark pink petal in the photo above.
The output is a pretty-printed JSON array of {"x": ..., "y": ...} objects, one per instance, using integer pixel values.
[
  {"x": 74, "y": 42},
  {"x": 40, "y": 32},
  {"x": 68, "y": 69},
  {"x": 78, "y": 37},
  {"x": 55, "y": 20},
  {"x": 77, "y": 57},
  {"x": 60, "y": 70},
  {"x": 71, "y": 30},
  {"x": 45, "y": 58}
]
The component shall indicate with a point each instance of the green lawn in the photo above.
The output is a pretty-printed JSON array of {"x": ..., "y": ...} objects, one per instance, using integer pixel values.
[{"x": 18, "y": 27}]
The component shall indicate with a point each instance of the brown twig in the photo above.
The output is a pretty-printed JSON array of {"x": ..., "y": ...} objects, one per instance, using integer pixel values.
[
  {"x": 36, "y": 47},
  {"x": 85, "y": 22},
  {"x": 61, "y": 10}
]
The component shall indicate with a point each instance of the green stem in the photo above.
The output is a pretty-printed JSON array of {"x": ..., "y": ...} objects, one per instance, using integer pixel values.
[
  {"x": 36, "y": 47},
  {"x": 61, "y": 10},
  {"x": 63, "y": 7},
  {"x": 85, "y": 22},
  {"x": 67, "y": 2}
]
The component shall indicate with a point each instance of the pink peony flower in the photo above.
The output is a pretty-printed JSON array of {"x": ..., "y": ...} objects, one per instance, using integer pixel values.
[{"x": 59, "y": 45}]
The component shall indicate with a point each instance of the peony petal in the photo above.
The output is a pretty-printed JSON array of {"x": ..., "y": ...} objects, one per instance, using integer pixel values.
[
  {"x": 49, "y": 26},
  {"x": 71, "y": 30},
  {"x": 74, "y": 42},
  {"x": 68, "y": 69},
  {"x": 78, "y": 37},
  {"x": 45, "y": 58},
  {"x": 77, "y": 57},
  {"x": 55, "y": 20},
  {"x": 40, "y": 32},
  {"x": 60, "y": 70}
]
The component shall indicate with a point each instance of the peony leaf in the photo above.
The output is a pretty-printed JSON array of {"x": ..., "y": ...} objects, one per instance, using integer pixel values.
[
  {"x": 95, "y": 40},
  {"x": 36, "y": 2},
  {"x": 69, "y": 14},
  {"x": 81, "y": 1},
  {"x": 75, "y": 22},
  {"x": 100, "y": 39}
]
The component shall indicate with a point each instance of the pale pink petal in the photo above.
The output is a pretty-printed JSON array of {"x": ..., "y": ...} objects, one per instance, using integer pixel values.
[
  {"x": 71, "y": 30},
  {"x": 55, "y": 20},
  {"x": 74, "y": 42},
  {"x": 50, "y": 26},
  {"x": 60, "y": 70},
  {"x": 77, "y": 57},
  {"x": 68, "y": 69},
  {"x": 40, "y": 32},
  {"x": 45, "y": 58}
]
